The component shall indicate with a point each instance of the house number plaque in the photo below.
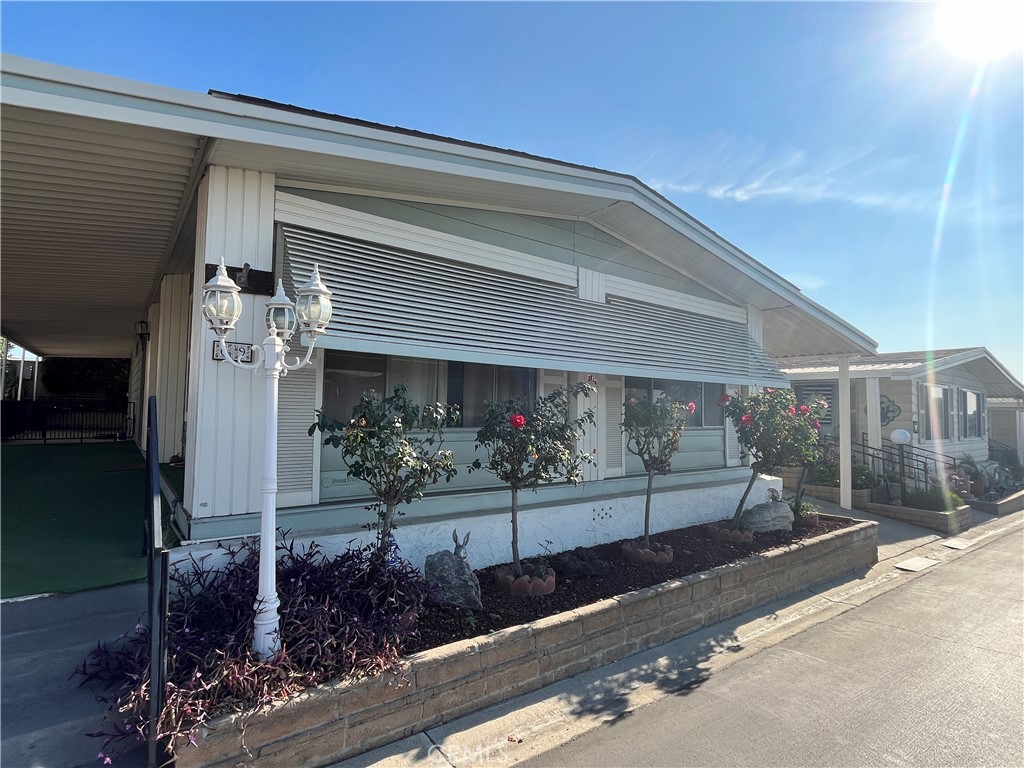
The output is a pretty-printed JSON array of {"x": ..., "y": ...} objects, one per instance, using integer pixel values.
[{"x": 238, "y": 351}]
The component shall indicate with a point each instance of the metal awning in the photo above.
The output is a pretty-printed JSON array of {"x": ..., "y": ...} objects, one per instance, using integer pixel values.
[{"x": 98, "y": 176}]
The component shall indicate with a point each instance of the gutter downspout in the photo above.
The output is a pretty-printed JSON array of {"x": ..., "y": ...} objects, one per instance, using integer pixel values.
[{"x": 845, "y": 432}]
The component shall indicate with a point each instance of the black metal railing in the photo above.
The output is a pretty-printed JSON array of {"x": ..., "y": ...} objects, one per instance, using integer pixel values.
[
  {"x": 158, "y": 558},
  {"x": 1003, "y": 454},
  {"x": 909, "y": 465},
  {"x": 62, "y": 419}
]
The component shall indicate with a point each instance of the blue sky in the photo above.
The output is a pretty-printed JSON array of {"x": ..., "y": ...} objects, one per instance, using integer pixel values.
[{"x": 815, "y": 136}]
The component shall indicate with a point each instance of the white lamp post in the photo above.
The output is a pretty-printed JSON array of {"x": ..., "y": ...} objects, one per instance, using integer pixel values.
[
  {"x": 311, "y": 314},
  {"x": 901, "y": 437}
]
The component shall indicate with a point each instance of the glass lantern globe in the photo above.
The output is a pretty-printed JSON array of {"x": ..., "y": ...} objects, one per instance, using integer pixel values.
[
  {"x": 281, "y": 320},
  {"x": 222, "y": 305},
  {"x": 313, "y": 306}
]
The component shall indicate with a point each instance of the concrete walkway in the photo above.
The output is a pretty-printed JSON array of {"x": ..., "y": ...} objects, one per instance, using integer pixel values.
[{"x": 44, "y": 715}]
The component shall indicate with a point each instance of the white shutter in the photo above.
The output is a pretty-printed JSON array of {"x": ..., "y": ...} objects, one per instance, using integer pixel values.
[
  {"x": 613, "y": 394},
  {"x": 733, "y": 454},
  {"x": 295, "y": 448},
  {"x": 548, "y": 381}
]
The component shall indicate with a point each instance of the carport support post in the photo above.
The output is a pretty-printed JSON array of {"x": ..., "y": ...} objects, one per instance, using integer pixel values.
[
  {"x": 3, "y": 379},
  {"x": 845, "y": 435}
]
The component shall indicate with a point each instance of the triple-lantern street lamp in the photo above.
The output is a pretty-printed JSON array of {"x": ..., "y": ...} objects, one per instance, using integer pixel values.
[{"x": 310, "y": 314}]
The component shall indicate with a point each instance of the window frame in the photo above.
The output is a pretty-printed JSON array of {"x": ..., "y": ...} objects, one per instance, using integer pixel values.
[
  {"x": 925, "y": 411},
  {"x": 980, "y": 421}
]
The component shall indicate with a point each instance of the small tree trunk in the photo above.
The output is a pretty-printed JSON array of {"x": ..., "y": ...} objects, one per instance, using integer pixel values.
[
  {"x": 743, "y": 500},
  {"x": 517, "y": 567},
  {"x": 384, "y": 535},
  {"x": 800, "y": 486},
  {"x": 647, "y": 510}
]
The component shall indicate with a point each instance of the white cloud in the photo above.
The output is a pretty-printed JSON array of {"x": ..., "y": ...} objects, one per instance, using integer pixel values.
[{"x": 742, "y": 171}]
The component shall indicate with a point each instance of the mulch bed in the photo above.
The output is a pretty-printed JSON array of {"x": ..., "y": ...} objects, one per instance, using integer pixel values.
[{"x": 695, "y": 551}]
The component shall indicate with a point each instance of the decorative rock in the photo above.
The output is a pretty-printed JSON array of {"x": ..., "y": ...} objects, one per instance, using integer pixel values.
[
  {"x": 770, "y": 516},
  {"x": 459, "y": 585},
  {"x": 661, "y": 554}
]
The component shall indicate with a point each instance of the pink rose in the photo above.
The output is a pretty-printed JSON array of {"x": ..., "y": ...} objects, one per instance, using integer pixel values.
[
  {"x": 816, "y": 424},
  {"x": 747, "y": 418},
  {"x": 769, "y": 389},
  {"x": 805, "y": 409},
  {"x": 517, "y": 421},
  {"x": 792, "y": 411},
  {"x": 691, "y": 407}
]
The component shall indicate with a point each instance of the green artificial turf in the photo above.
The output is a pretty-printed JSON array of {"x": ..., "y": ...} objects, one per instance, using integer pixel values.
[{"x": 71, "y": 517}]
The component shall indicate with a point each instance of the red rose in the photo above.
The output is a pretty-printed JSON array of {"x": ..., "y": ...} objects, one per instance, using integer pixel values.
[
  {"x": 805, "y": 409},
  {"x": 691, "y": 407},
  {"x": 747, "y": 418},
  {"x": 792, "y": 411},
  {"x": 816, "y": 424},
  {"x": 517, "y": 421},
  {"x": 723, "y": 399}
]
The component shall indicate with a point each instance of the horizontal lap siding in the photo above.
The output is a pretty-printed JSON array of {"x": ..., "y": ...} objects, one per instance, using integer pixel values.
[{"x": 387, "y": 295}]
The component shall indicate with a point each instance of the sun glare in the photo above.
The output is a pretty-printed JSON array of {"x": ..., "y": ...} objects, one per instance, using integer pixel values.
[{"x": 980, "y": 30}]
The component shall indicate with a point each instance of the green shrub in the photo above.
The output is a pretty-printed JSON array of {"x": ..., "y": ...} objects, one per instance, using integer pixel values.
[
  {"x": 863, "y": 477},
  {"x": 935, "y": 499},
  {"x": 826, "y": 473},
  {"x": 805, "y": 509}
]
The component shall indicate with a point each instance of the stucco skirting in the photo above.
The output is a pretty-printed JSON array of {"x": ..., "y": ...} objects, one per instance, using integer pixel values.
[
  {"x": 337, "y": 721},
  {"x": 950, "y": 523}
]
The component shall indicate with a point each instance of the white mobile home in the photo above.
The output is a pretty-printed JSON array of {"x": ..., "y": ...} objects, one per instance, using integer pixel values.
[{"x": 463, "y": 271}]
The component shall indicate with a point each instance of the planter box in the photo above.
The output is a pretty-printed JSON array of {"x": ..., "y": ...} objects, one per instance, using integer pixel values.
[
  {"x": 333, "y": 722},
  {"x": 949, "y": 523},
  {"x": 1014, "y": 503},
  {"x": 828, "y": 493}
]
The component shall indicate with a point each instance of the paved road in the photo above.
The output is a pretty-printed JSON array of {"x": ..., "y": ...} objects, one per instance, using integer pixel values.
[{"x": 929, "y": 674}]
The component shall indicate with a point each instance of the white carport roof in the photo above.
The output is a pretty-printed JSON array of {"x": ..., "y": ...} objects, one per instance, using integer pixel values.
[
  {"x": 98, "y": 175},
  {"x": 998, "y": 381}
]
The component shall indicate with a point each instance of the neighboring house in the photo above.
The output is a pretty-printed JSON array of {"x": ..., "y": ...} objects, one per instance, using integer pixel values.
[
  {"x": 463, "y": 271},
  {"x": 952, "y": 401}
]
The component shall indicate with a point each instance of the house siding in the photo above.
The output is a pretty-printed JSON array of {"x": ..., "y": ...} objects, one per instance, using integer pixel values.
[
  {"x": 227, "y": 406},
  {"x": 564, "y": 241}
]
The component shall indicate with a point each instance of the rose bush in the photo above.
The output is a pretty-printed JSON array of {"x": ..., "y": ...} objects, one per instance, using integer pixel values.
[
  {"x": 774, "y": 432},
  {"x": 527, "y": 447},
  {"x": 395, "y": 447},
  {"x": 653, "y": 429}
]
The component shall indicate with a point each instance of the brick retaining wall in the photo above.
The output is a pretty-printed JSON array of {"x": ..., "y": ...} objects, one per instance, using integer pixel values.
[
  {"x": 332, "y": 722},
  {"x": 950, "y": 523},
  {"x": 1014, "y": 503}
]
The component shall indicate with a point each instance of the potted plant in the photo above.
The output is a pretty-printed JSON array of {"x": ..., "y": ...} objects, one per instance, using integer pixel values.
[
  {"x": 532, "y": 446},
  {"x": 973, "y": 471}
]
